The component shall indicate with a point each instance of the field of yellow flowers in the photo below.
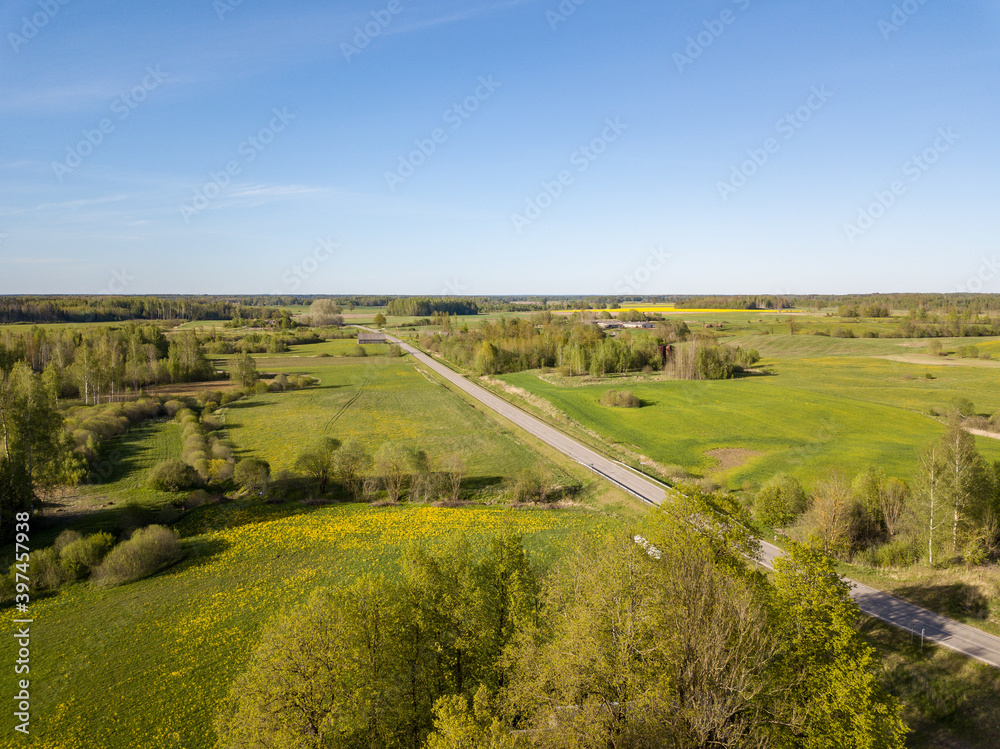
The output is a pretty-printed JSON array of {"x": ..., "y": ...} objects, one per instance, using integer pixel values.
[{"x": 144, "y": 664}]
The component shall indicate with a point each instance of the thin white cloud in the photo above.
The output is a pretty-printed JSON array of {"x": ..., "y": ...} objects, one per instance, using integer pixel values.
[
  {"x": 457, "y": 17},
  {"x": 81, "y": 203},
  {"x": 59, "y": 99},
  {"x": 278, "y": 191},
  {"x": 31, "y": 260}
]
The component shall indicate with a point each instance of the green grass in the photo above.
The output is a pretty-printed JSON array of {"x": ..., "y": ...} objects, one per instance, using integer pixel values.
[
  {"x": 199, "y": 324},
  {"x": 815, "y": 345},
  {"x": 118, "y": 494},
  {"x": 372, "y": 400},
  {"x": 948, "y": 700},
  {"x": 811, "y": 417},
  {"x": 971, "y": 596},
  {"x": 145, "y": 664}
]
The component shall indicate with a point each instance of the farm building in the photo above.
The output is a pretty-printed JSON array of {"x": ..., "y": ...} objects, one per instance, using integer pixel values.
[
  {"x": 364, "y": 337},
  {"x": 615, "y": 324}
]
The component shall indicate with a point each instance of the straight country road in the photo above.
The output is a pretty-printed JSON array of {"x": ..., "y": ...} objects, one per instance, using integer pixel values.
[{"x": 922, "y": 623}]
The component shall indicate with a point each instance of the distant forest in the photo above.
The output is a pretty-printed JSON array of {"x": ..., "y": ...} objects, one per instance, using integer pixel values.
[{"x": 104, "y": 308}]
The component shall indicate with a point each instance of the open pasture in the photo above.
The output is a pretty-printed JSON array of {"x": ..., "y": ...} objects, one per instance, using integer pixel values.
[
  {"x": 374, "y": 400},
  {"x": 813, "y": 416}
]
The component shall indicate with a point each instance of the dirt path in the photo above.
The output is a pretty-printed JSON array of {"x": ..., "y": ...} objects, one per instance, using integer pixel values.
[{"x": 940, "y": 361}]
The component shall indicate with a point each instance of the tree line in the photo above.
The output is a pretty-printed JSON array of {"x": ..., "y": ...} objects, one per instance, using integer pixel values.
[
  {"x": 424, "y": 306},
  {"x": 664, "y": 639},
  {"x": 574, "y": 348},
  {"x": 98, "y": 364}
]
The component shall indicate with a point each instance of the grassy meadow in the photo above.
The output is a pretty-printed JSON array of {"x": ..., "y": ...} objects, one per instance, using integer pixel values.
[
  {"x": 374, "y": 400},
  {"x": 825, "y": 404}
]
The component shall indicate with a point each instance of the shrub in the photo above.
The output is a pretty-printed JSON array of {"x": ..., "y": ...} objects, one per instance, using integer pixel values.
[
  {"x": 173, "y": 476},
  {"x": 252, "y": 474},
  {"x": 84, "y": 554},
  {"x": 64, "y": 539},
  {"x": 47, "y": 572},
  {"x": 620, "y": 399},
  {"x": 211, "y": 423},
  {"x": 714, "y": 362},
  {"x": 202, "y": 466},
  {"x": 212, "y": 396},
  {"x": 963, "y": 407},
  {"x": 902, "y": 552},
  {"x": 220, "y": 470},
  {"x": 530, "y": 485},
  {"x": 969, "y": 352},
  {"x": 220, "y": 450},
  {"x": 779, "y": 501},
  {"x": 8, "y": 588},
  {"x": 197, "y": 498},
  {"x": 185, "y": 416},
  {"x": 149, "y": 550}
]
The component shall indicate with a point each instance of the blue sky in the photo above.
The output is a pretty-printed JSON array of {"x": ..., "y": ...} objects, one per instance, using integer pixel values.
[{"x": 499, "y": 147}]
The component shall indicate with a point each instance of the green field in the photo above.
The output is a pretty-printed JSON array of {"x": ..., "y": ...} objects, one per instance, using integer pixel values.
[
  {"x": 145, "y": 664},
  {"x": 813, "y": 415},
  {"x": 117, "y": 495},
  {"x": 373, "y": 400}
]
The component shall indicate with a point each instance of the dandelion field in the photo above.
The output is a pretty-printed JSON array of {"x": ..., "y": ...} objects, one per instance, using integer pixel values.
[{"x": 143, "y": 665}]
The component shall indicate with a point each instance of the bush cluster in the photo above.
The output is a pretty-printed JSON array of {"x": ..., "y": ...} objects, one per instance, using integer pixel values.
[
  {"x": 71, "y": 557},
  {"x": 620, "y": 399},
  {"x": 149, "y": 550},
  {"x": 89, "y": 426}
]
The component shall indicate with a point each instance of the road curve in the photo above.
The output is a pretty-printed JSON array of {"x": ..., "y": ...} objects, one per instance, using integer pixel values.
[{"x": 919, "y": 621}]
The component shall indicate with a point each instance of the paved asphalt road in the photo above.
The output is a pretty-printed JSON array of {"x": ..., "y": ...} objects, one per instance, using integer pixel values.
[{"x": 919, "y": 621}]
